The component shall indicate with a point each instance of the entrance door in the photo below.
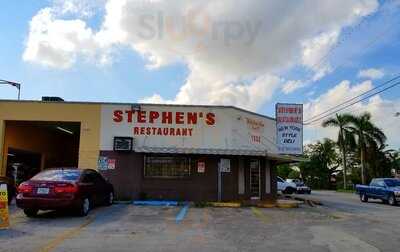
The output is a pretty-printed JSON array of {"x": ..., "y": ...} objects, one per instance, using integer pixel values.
[{"x": 255, "y": 179}]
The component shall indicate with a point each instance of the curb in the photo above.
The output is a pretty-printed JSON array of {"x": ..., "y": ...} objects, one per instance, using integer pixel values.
[
  {"x": 266, "y": 205},
  {"x": 225, "y": 204},
  {"x": 288, "y": 203}
]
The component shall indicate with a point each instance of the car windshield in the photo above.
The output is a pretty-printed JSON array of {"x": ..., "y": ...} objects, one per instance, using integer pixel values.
[
  {"x": 58, "y": 175},
  {"x": 392, "y": 182}
]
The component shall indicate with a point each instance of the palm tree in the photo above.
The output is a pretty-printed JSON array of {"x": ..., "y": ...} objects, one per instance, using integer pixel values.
[
  {"x": 367, "y": 134},
  {"x": 342, "y": 122}
]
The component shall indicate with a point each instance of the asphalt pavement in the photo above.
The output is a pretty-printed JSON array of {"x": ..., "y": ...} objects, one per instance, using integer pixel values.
[
  {"x": 349, "y": 203},
  {"x": 342, "y": 224}
]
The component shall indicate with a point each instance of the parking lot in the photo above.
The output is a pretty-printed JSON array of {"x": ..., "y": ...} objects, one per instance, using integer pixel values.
[{"x": 143, "y": 228}]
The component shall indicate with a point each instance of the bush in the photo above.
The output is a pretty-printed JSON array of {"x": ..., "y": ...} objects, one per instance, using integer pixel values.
[{"x": 294, "y": 174}]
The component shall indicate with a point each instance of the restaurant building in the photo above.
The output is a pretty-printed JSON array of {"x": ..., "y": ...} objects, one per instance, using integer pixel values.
[{"x": 180, "y": 152}]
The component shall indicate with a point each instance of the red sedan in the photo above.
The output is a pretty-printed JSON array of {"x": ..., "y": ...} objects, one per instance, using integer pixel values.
[{"x": 70, "y": 188}]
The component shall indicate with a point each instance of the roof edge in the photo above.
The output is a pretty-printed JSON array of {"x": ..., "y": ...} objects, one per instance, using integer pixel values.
[{"x": 145, "y": 104}]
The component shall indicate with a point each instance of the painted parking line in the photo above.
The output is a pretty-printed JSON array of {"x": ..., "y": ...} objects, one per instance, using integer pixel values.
[
  {"x": 257, "y": 212},
  {"x": 65, "y": 235},
  {"x": 182, "y": 213}
]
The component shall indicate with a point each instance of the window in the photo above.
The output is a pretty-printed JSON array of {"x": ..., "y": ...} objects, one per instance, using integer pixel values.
[
  {"x": 166, "y": 167},
  {"x": 374, "y": 182},
  {"x": 392, "y": 182},
  {"x": 380, "y": 183},
  {"x": 58, "y": 175}
]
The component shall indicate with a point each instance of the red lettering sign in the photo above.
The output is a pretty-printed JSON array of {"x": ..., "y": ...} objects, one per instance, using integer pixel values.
[
  {"x": 153, "y": 131},
  {"x": 210, "y": 119},
  {"x": 118, "y": 116},
  {"x": 164, "y": 118}
]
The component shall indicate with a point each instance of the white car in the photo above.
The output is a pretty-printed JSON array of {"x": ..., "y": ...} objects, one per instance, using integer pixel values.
[
  {"x": 300, "y": 186},
  {"x": 286, "y": 187}
]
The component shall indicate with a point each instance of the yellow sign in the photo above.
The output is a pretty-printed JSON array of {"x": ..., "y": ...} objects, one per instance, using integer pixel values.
[{"x": 4, "y": 217}]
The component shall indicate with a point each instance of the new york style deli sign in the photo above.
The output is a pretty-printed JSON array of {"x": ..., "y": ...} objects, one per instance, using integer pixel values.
[
  {"x": 289, "y": 128},
  {"x": 173, "y": 123}
]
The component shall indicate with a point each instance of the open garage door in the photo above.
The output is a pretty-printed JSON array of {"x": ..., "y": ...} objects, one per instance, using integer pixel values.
[{"x": 31, "y": 146}]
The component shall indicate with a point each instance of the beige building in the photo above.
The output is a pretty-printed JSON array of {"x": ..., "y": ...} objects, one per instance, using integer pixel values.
[{"x": 179, "y": 152}]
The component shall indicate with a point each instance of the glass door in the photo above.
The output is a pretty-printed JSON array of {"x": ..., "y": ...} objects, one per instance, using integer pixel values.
[{"x": 255, "y": 179}]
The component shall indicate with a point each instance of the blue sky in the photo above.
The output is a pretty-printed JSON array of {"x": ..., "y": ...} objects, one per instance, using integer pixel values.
[
  {"x": 139, "y": 70},
  {"x": 125, "y": 81}
]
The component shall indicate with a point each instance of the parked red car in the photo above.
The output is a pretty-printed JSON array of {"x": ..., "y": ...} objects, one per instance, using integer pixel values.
[{"x": 67, "y": 188}]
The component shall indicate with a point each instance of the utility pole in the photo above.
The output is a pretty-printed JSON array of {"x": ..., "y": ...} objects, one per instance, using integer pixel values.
[{"x": 14, "y": 84}]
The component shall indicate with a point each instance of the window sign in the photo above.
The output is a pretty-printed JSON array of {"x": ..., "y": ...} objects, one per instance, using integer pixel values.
[
  {"x": 102, "y": 163},
  {"x": 111, "y": 164},
  {"x": 225, "y": 165},
  {"x": 201, "y": 167}
]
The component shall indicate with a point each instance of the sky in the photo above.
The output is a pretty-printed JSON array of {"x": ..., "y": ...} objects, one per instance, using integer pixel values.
[{"x": 249, "y": 54}]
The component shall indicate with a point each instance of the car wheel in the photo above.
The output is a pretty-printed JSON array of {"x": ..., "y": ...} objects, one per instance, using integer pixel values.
[
  {"x": 363, "y": 198},
  {"x": 392, "y": 200},
  {"x": 84, "y": 208},
  {"x": 110, "y": 199},
  {"x": 289, "y": 190},
  {"x": 31, "y": 212}
]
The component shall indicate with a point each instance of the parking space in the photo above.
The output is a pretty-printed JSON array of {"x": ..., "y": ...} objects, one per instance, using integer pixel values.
[
  {"x": 124, "y": 227},
  {"x": 149, "y": 228}
]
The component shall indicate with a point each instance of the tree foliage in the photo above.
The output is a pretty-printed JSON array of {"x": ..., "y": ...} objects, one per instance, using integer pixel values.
[
  {"x": 322, "y": 164},
  {"x": 342, "y": 122},
  {"x": 284, "y": 170},
  {"x": 360, "y": 149},
  {"x": 369, "y": 139}
]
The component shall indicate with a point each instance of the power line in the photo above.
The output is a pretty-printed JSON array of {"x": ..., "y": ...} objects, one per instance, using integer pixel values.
[
  {"x": 352, "y": 99},
  {"x": 347, "y": 34},
  {"x": 351, "y": 104}
]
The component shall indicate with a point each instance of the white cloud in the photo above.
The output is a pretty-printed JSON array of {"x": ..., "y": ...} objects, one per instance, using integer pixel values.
[
  {"x": 235, "y": 49},
  {"x": 371, "y": 73},
  {"x": 199, "y": 90},
  {"x": 292, "y": 85},
  {"x": 382, "y": 111},
  {"x": 315, "y": 51},
  {"x": 57, "y": 43}
]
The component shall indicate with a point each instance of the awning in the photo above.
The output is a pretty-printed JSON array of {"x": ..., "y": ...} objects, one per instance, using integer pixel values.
[
  {"x": 233, "y": 152},
  {"x": 229, "y": 152},
  {"x": 285, "y": 159}
]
